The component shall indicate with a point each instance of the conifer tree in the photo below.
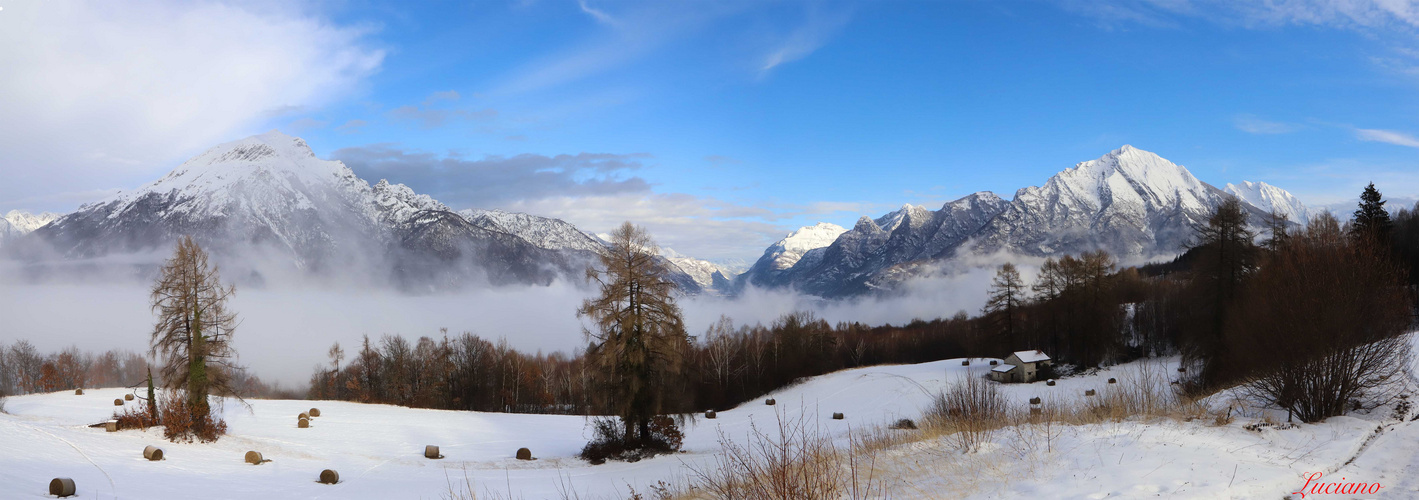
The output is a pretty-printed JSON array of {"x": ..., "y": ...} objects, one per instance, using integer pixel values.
[
  {"x": 1371, "y": 220},
  {"x": 192, "y": 336},
  {"x": 637, "y": 333}
]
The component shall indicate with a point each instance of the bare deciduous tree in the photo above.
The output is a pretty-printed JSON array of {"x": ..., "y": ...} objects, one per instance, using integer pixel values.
[{"x": 192, "y": 336}]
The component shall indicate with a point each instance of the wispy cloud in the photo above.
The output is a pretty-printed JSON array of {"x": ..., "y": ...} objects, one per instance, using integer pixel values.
[
  {"x": 352, "y": 126},
  {"x": 599, "y": 15},
  {"x": 818, "y": 27},
  {"x": 1252, "y": 124},
  {"x": 428, "y": 114},
  {"x": 721, "y": 160},
  {"x": 1387, "y": 136}
]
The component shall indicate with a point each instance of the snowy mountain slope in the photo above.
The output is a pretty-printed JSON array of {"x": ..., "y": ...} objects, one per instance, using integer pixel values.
[
  {"x": 788, "y": 251},
  {"x": 706, "y": 274},
  {"x": 16, "y": 224},
  {"x": 377, "y": 449},
  {"x": 268, "y": 199},
  {"x": 1270, "y": 199},
  {"x": 1130, "y": 202},
  {"x": 851, "y": 263}
]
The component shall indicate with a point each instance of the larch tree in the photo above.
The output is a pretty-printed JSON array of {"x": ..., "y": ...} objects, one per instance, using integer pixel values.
[
  {"x": 193, "y": 333},
  {"x": 637, "y": 334},
  {"x": 1003, "y": 303},
  {"x": 1227, "y": 256}
]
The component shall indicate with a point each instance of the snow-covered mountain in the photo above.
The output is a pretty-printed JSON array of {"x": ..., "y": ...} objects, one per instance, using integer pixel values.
[
  {"x": 266, "y": 204},
  {"x": 787, "y": 252},
  {"x": 16, "y": 223},
  {"x": 1271, "y": 199},
  {"x": 853, "y": 261},
  {"x": 1130, "y": 202}
]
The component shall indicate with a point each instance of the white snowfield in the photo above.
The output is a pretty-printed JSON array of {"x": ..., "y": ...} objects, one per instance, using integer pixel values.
[{"x": 378, "y": 449}]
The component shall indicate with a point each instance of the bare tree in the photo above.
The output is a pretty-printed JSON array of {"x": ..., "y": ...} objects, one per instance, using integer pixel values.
[
  {"x": 636, "y": 330},
  {"x": 194, "y": 329},
  {"x": 1319, "y": 328}
]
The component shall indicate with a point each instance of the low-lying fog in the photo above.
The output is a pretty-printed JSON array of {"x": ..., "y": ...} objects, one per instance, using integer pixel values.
[{"x": 285, "y": 332}]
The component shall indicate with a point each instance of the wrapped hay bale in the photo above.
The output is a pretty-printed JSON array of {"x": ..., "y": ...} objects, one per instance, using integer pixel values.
[
  {"x": 303, "y": 423},
  {"x": 153, "y": 453},
  {"x": 254, "y": 458},
  {"x": 1034, "y": 401},
  {"x": 770, "y": 402},
  {"x": 431, "y": 451},
  {"x": 1089, "y": 392},
  {"x": 110, "y": 426},
  {"x": 118, "y": 402},
  {"x": 328, "y": 476},
  {"x": 1050, "y": 382},
  {"x": 966, "y": 363},
  {"x": 524, "y": 454},
  {"x": 127, "y": 397},
  {"x": 314, "y": 412},
  {"x": 61, "y": 487},
  {"x": 1113, "y": 381},
  {"x": 1034, "y": 411},
  {"x": 710, "y": 414},
  {"x": 305, "y": 415},
  {"x": 78, "y": 392},
  {"x": 994, "y": 362},
  {"x": 837, "y": 416}
]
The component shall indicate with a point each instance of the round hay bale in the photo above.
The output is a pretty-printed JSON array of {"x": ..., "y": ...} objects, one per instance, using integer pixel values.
[
  {"x": 994, "y": 362},
  {"x": 1034, "y": 401},
  {"x": 1089, "y": 392},
  {"x": 305, "y": 415},
  {"x": 303, "y": 423},
  {"x": 837, "y": 416},
  {"x": 78, "y": 392},
  {"x": 110, "y": 426},
  {"x": 328, "y": 476},
  {"x": 431, "y": 451},
  {"x": 966, "y": 363},
  {"x": 253, "y": 457},
  {"x": 118, "y": 402},
  {"x": 1113, "y": 381},
  {"x": 1182, "y": 370},
  {"x": 61, "y": 487},
  {"x": 710, "y": 414},
  {"x": 524, "y": 454},
  {"x": 1050, "y": 382},
  {"x": 314, "y": 412},
  {"x": 770, "y": 402},
  {"x": 127, "y": 397},
  {"x": 153, "y": 453}
]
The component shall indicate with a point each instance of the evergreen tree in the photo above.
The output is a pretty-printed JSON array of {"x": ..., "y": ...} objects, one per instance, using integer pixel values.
[
  {"x": 1002, "y": 308},
  {"x": 1227, "y": 256},
  {"x": 637, "y": 333},
  {"x": 1371, "y": 220}
]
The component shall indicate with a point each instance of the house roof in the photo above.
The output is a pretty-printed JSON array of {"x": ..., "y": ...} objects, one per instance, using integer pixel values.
[
  {"x": 1003, "y": 368},
  {"x": 1034, "y": 356}
]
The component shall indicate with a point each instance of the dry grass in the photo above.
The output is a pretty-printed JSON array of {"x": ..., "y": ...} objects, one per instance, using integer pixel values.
[{"x": 796, "y": 459}]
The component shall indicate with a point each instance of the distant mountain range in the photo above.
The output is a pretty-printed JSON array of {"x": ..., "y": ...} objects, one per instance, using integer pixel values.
[{"x": 266, "y": 205}]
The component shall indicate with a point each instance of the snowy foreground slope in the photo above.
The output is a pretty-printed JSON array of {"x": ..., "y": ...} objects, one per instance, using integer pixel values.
[{"x": 377, "y": 449}]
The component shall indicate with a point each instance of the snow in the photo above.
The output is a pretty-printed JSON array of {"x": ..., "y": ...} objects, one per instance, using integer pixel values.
[
  {"x": 788, "y": 250},
  {"x": 1003, "y": 368},
  {"x": 1034, "y": 356},
  {"x": 378, "y": 448},
  {"x": 1271, "y": 199}
]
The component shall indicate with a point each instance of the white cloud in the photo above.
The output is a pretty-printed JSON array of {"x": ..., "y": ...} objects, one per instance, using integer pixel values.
[
  {"x": 1252, "y": 124},
  {"x": 107, "y": 93},
  {"x": 1387, "y": 136},
  {"x": 806, "y": 38},
  {"x": 599, "y": 15}
]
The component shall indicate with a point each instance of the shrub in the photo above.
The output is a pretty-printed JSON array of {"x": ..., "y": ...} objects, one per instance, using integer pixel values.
[
  {"x": 181, "y": 424},
  {"x": 134, "y": 417},
  {"x": 609, "y": 441},
  {"x": 969, "y": 412},
  {"x": 796, "y": 461}
]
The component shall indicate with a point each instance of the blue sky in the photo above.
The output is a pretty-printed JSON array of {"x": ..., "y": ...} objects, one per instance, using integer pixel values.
[{"x": 720, "y": 126}]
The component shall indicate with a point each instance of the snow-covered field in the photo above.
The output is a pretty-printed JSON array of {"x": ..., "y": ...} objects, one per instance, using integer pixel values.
[{"x": 377, "y": 449}]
